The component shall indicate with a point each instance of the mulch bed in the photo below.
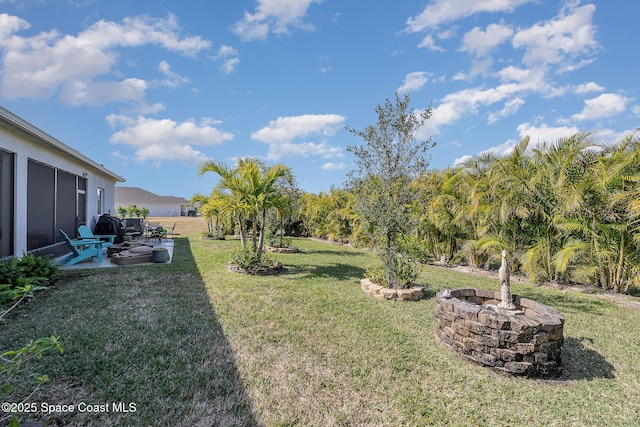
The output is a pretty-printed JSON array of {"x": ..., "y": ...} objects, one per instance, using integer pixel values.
[{"x": 259, "y": 271}]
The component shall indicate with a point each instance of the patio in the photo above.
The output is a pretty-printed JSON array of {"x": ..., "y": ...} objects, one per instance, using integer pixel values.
[{"x": 106, "y": 260}]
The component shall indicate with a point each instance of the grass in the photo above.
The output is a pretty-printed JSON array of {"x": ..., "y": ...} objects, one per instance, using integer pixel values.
[{"x": 194, "y": 345}]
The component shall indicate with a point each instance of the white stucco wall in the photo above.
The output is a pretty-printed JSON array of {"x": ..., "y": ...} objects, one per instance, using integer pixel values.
[
  {"x": 26, "y": 148},
  {"x": 163, "y": 209}
]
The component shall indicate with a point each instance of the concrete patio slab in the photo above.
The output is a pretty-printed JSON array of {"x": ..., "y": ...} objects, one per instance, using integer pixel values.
[{"x": 106, "y": 261}]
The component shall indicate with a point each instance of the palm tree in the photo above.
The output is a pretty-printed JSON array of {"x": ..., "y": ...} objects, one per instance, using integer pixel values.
[
  {"x": 473, "y": 179},
  {"x": 218, "y": 210},
  {"x": 513, "y": 203},
  {"x": 253, "y": 191},
  {"x": 619, "y": 176},
  {"x": 231, "y": 184}
]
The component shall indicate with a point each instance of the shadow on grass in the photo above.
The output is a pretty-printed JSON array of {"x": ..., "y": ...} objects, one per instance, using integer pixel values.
[
  {"x": 428, "y": 293},
  {"x": 146, "y": 335},
  {"x": 582, "y": 363},
  {"x": 342, "y": 253},
  {"x": 224, "y": 399},
  {"x": 566, "y": 302},
  {"x": 337, "y": 271}
]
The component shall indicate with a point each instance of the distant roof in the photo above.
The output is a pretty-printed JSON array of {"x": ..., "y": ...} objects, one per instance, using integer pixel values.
[
  {"x": 139, "y": 196},
  {"x": 10, "y": 120}
]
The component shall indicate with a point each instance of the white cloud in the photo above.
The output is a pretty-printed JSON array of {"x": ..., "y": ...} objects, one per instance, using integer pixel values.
[
  {"x": 460, "y": 76},
  {"x": 559, "y": 42},
  {"x": 50, "y": 64},
  {"x": 303, "y": 149},
  {"x": 510, "y": 107},
  {"x": 610, "y": 136},
  {"x": 288, "y": 128},
  {"x": 159, "y": 140},
  {"x": 413, "y": 82},
  {"x": 229, "y": 58},
  {"x": 330, "y": 166},
  {"x": 588, "y": 88},
  {"x": 552, "y": 42},
  {"x": 225, "y": 52},
  {"x": 498, "y": 150},
  {"x": 461, "y": 160},
  {"x": 276, "y": 16},
  {"x": 230, "y": 65},
  {"x": 9, "y": 25},
  {"x": 281, "y": 134},
  {"x": 429, "y": 43},
  {"x": 456, "y": 105},
  {"x": 544, "y": 133},
  {"x": 605, "y": 105},
  {"x": 103, "y": 92},
  {"x": 173, "y": 79},
  {"x": 139, "y": 31},
  {"x": 538, "y": 135},
  {"x": 480, "y": 43},
  {"x": 439, "y": 12}
]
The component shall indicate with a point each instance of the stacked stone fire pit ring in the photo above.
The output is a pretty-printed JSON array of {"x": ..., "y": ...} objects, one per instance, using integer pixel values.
[{"x": 524, "y": 341}]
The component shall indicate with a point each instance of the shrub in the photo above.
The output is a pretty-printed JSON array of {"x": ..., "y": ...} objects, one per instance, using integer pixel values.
[
  {"x": 403, "y": 269},
  {"x": 42, "y": 269},
  {"x": 376, "y": 274},
  {"x": 20, "y": 279},
  {"x": 244, "y": 257},
  {"x": 278, "y": 242},
  {"x": 13, "y": 365},
  {"x": 416, "y": 248},
  {"x": 247, "y": 259}
]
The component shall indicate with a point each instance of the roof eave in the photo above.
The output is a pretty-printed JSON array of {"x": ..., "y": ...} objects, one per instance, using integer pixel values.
[{"x": 40, "y": 136}]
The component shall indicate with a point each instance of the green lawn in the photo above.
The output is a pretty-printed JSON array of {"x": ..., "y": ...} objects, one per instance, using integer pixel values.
[{"x": 194, "y": 345}]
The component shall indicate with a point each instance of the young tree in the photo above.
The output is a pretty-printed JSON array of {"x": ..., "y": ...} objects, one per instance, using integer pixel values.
[
  {"x": 122, "y": 211},
  {"x": 387, "y": 163}
]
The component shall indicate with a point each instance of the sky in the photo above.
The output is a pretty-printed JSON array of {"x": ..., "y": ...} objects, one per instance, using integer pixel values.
[{"x": 153, "y": 88}]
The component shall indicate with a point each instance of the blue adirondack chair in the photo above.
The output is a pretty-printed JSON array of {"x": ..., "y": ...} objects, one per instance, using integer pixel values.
[
  {"x": 81, "y": 249},
  {"x": 85, "y": 233}
]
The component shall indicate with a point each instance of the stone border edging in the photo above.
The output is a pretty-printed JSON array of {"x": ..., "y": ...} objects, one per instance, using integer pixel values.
[
  {"x": 287, "y": 250},
  {"x": 379, "y": 292}
]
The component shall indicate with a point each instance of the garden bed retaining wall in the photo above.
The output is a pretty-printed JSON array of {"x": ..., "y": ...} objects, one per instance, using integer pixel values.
[
  {"x": 286, "y": 250},
  {"x": 259, "y": 271},
  {"x": 412, "y": 294}
]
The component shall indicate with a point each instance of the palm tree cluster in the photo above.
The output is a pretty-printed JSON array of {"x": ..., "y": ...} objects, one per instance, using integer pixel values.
[
  {"x": 244, "y": 194},
  {"x": 565, "y": 211},
  {"x": 331, "y": 216}
]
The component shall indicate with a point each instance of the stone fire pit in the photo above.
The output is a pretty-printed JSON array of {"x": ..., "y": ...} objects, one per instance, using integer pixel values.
[{"x": 525, "y": 341}]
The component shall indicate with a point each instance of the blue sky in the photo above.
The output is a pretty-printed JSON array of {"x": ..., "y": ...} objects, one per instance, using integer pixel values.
[{"x": 152, "y": 88}]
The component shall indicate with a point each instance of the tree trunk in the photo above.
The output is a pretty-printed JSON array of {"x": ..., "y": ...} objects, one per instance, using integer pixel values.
[
  {"x": 261, "y": 241},
  {"x": 254, "y": 231},
  {"x": 281, "y": 232},
  {"x": 619, "y": 269},
  {"x": 241, "y": 228}
]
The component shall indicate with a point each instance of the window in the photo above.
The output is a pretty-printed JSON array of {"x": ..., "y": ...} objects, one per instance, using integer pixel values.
[
  {"x": 99, "y": 211},
  {"x": 6, "y": 203},
  {"x": 55, "y": 200},
  {"x": 41, "y": 184}
]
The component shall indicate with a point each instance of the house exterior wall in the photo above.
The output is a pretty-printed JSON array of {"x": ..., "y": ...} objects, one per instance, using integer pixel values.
[
  {"x": 155, "y": 209},
  {"x": 164, "y": 209},
  {"x": 27, "y": 147}
]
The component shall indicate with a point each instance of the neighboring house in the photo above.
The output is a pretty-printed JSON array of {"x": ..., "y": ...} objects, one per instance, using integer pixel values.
[
  {"x": 157, "y": 205},
  {"x": 45, "y": 186}
]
